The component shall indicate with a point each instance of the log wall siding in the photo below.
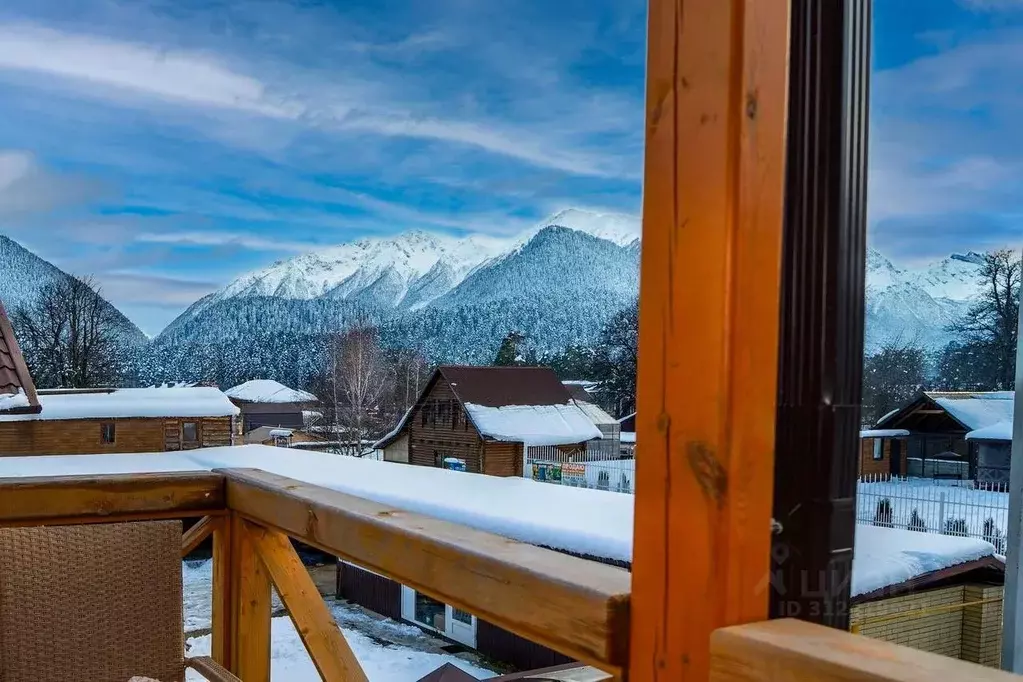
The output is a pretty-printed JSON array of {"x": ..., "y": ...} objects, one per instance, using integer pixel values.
[
  {"x": 502, "y": 459},
  {"x": 84, "y": 436},
  {"x": 443, "y": 435}
]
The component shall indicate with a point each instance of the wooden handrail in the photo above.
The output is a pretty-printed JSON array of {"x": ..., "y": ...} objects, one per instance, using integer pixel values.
[
  {"x": 577, "y": 607},
  {"x": 784, "y": 650},
  {"x": 120, "y": 497}
]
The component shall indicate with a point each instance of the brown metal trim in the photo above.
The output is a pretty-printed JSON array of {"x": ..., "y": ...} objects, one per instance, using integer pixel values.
[{"x": 821, "y": 335}]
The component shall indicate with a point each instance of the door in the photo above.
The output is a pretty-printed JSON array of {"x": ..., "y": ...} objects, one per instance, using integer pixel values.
[
  {"x": 896, "y": 462},
  {"x": 431, "y": 614}
]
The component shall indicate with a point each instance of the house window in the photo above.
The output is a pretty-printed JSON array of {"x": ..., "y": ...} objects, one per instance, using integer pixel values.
[
  {"x": 190, "y": 432},
  {"x": 878, "y": 448},
  {"x": 455, "y": 414},
  {"x": 108, "y": 433},
  {"x": 422, "y": 415}
]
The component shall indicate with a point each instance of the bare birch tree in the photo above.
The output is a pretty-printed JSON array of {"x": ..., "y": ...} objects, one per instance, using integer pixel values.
[{"x": 359, "y": 377}]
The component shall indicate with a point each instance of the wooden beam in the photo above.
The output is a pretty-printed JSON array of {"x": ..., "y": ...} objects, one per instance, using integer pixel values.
[
  {"x": 574, "y": 606},
  {"x": 327, "y": 647},
  {"x": 42, "y": 500},
  {"x": 709, "y": 288},
  {"x": 222, "y": 615},
  {"x": 210, "y": 669},
  {"x": 250, "y": 608},
  {"x": 786, "y": 649},
  {"x": 195, "y": 535}
]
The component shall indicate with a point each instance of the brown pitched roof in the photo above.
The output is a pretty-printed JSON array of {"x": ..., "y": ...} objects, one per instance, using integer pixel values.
[
  {"x": 502, "y": 386},
  {"x": 14, "y": 376}
]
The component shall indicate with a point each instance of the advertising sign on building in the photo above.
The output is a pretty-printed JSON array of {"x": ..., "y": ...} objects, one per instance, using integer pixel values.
[{"x": 573, "y": 473}]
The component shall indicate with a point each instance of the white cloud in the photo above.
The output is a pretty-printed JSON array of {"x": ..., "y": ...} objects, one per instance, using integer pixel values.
[
  {"x": 247, "y": 241},
  {"x": 27, "y": 188},
  {"x": 166, "y": 74}
]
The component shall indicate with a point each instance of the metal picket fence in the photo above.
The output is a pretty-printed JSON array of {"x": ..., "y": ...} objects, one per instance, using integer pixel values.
[{"x": 951, "y": 507}]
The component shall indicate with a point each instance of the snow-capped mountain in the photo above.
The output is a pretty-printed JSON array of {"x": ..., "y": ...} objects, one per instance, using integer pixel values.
[{"x": 917, "y": 305}]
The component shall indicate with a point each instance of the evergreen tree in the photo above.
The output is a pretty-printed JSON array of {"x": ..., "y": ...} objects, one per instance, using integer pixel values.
[
  {"x": 509, "y": 353},
  {"x": 615, "y": 361}
]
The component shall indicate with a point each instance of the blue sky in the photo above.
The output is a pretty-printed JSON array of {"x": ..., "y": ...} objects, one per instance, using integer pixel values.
[{"x": 167, "y": 146}]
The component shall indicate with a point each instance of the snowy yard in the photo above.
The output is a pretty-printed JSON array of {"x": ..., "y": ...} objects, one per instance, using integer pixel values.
[
  {"x": 925, "y": 504},
  {"x": 388, "y": 651}
]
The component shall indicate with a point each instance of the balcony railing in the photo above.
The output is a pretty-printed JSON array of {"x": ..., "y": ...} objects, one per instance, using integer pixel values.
[{"x": 577, "y": 607}]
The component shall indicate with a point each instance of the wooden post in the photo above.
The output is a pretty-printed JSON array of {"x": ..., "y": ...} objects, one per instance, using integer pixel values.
[
  {"x": 820, "y": 362},
  {"x": 250, "y": 608},
  {"x": 712, "y": 232},
  {"x": 1012, "y": 621},
  {"x": 221, "y": 612}
]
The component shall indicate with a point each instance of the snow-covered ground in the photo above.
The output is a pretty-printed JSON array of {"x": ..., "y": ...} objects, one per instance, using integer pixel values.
[
  {"x": 388, "y": 651},
  {"x": 935, "y": 504}
]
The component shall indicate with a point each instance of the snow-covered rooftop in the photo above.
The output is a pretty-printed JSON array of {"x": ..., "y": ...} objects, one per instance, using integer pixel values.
[
  {"x": 534, "y": 424},
  {"x": 13, "y": 401},
  {"x": 580, "y": 520},
  {"x": 628, "y": 436},
  {"x": 268, "y": 391},
  {"x": 977, "y": 410},
  {"x": 192, "y": 401},
  {"x": 889, "y": 556},
  {"x": 998, "y": 431},
  {"x": 595, "y": 412},
  {"x": 883, "y": 433}
]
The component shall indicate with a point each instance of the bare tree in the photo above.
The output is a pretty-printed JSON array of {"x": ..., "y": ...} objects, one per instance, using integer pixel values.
[
  {"x": 69, "y": 335},
  {"x": 990, "y": 328},
  {"x": 358, "y": 378}
]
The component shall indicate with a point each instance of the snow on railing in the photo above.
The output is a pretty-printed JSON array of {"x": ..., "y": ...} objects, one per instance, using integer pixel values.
[{"x": 951, "y": 507}]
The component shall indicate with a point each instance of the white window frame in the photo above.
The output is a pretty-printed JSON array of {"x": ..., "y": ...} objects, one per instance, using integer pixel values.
[
  {"x": 454, "y": 630},
  {"x": 878, "y": 449}
]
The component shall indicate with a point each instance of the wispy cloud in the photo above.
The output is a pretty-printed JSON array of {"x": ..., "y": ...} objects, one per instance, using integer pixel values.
[
  {"x": 26, "y": 187},
  {"x": 246, "y": 241}
]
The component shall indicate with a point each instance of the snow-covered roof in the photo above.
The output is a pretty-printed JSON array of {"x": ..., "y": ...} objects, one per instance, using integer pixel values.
[
  {"x": 883, "y": 433},
  {"x": 533, "y": 424},
  {"x": 268, "y": 391},
  {"x": 627, "y": 436},
  {"x": 998, "y": 431},
  {"x": 281, "y": 433},
  {"x": 596, "y": 414},
  {"x": 13, "y": 401},
  {"x": 883, "y": 557},
  {"x": 193, "y": 401},
  {"x": 628, "y": 416},
  {"x": 976, "y": 410},
  {"x": 386, "y": 440},
  {"x": 580, "y": 520}
]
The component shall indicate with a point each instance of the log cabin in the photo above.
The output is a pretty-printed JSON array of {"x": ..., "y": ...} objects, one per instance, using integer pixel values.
[
  {"x": 87, "y": 421},
  {"x": 942, "y": 435},
  {"x": 481, "y": 420}
]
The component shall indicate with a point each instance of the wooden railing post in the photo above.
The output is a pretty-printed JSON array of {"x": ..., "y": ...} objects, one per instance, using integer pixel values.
[
  {"x": 250, "y": 605},
  {"x": 709, "y": 287},
  {"x": 222, "y": 617}
]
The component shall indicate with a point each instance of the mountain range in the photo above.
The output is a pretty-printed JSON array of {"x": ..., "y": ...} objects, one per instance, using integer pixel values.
[{"x": 454, "y": 298}]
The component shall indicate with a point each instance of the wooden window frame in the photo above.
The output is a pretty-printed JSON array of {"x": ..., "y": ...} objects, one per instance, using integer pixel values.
[
  {"x": 198, "y": 433},
  {"x": 103, "y": 433}
]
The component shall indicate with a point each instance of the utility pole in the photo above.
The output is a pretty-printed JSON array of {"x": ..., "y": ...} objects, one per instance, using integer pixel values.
[{"x": 1012, "y": 615}]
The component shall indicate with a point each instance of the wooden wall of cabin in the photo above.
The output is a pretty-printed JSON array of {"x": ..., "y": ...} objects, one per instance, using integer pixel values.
[
  {"x": 85, "y": 436},
  {"x": 502, "y": 459},
  {"x": 439, "y": 427}
]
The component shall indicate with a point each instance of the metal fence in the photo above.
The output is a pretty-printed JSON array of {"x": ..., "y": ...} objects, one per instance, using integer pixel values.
[
  {"x": 552, "y": 465},
  {"x": 951, "y": 507}
]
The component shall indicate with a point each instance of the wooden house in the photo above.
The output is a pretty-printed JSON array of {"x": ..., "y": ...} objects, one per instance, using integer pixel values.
[
  {"x": 481, "y": 420},
  {"x": 928, "y": 437},
  {"x": 83, "y": 421},
  {"x": 264, "y": 402}
]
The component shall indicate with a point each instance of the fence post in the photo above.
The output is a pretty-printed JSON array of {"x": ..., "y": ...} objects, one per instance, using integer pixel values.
[{"x": 941, "y": 512}]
